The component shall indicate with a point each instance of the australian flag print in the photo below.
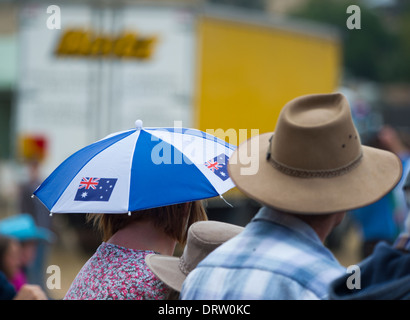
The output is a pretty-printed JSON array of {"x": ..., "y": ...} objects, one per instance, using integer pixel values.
[
  {"x": 95, "y": 189},
  {"x": 219, "y": 166}
]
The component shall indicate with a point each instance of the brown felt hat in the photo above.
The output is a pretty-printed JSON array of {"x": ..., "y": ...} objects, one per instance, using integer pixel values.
[
  {"x": 203, "y": 237},
  {"x": 314, "y": 162}
]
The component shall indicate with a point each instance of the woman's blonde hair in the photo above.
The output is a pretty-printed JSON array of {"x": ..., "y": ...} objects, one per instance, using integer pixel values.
[{"x": 174, "y": 220}]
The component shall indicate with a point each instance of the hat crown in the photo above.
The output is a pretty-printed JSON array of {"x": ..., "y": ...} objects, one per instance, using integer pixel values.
[
  {"x": 316, "y": 133},
  {"x": 203, "y": 238}
]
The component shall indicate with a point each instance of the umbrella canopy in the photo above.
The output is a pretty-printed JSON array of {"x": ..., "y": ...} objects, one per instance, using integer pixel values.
[{"x": 139, "y": 169}]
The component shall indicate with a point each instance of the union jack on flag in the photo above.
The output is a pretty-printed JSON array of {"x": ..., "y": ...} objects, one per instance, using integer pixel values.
[
  {"x": 219, "y": 166},
  {"x": 88, "y": 183},
  {"x": 95, "y": 189}
]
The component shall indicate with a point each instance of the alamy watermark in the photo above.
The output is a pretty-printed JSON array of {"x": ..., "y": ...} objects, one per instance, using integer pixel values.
[
  {"x": 179, "y": 145},
  {"x": 354, "y": 20},
  {"x": 54, "y": 279},
  {"x": 54, "y": 18},
  {"x": 353, "y": 281}
]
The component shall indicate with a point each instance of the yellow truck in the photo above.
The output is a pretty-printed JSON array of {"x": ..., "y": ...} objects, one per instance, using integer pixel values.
[
  {"x": 249, "y": 65},
  {"x": 225, "y": 71}
]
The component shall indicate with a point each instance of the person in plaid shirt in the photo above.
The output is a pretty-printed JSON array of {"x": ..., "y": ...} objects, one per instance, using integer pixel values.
[{"x": 312, "y": 170}]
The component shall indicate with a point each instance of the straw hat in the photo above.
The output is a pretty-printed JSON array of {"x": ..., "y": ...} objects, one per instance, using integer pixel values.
[
  {"x": 314, "y": 163},
  {"x": 203, "y": 238}
]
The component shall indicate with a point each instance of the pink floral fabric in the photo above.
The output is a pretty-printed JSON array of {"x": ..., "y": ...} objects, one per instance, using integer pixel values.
[{"x": 116, "y": 273}]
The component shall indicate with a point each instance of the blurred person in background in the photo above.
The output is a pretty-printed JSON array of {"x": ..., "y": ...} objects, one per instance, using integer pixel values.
[
  {"x": 390, "y": 139},
  {"x": 22, "y": 228},
  {"x": 10, "y": 261},
  {"x": 384, "y": 274},
  {"x": 118, "y": 270},
  {"x": 384, "y": 219},
  {"x": 26, "y": 204},
  {"x": 13, "y": 284},
  {"x": 26, "y": 292}
]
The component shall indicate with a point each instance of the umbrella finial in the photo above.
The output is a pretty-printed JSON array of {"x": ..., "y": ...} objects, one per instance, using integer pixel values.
[{"x": 138, "y": 124}]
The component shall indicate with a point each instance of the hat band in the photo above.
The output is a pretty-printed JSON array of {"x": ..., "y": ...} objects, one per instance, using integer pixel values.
[
  {"x": 182, "y": 266},
  {"x": 315, "y": 173}
]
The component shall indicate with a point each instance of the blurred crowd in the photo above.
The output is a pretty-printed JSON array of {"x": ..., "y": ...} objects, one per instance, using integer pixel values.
[{"x": 26, "y": 238}]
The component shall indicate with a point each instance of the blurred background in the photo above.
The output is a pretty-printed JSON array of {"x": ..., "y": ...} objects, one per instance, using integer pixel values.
[{"x": 72, "y": 72}]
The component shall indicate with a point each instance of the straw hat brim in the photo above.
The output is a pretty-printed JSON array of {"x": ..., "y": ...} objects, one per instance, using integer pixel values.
[
  {"x": 377, "y": 173},
  {"x": 167, "y": 269}
]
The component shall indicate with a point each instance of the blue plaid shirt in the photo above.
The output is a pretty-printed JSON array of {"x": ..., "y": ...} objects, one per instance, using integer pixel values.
[{"x": 277, "y": 256}]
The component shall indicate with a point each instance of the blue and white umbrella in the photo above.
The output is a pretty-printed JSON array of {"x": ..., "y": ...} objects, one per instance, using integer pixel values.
[{"x": 139, "y": 169}]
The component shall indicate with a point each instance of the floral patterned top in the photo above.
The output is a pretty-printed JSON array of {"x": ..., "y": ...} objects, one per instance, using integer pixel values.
[{"x": 116, "y": 273}]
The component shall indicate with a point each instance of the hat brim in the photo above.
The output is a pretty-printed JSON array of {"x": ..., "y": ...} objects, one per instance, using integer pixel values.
[
  {"x": 166, "y": 268},
  {"x": 377, "y": 173},
  {"x": 40, "y": 233}
]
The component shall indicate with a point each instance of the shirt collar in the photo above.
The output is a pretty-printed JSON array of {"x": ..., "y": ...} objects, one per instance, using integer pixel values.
[{"x": 289, "y": 221}]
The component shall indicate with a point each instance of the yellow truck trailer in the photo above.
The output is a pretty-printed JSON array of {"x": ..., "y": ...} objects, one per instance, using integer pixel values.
[
  {"x": 220, "y": 70},
  {"x": 249, "y": 65}
]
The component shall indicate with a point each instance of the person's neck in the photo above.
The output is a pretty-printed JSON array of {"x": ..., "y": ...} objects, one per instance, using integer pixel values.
[
  {"x": 323, "y": 224},
  {"x": 143, "y": 235}
]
